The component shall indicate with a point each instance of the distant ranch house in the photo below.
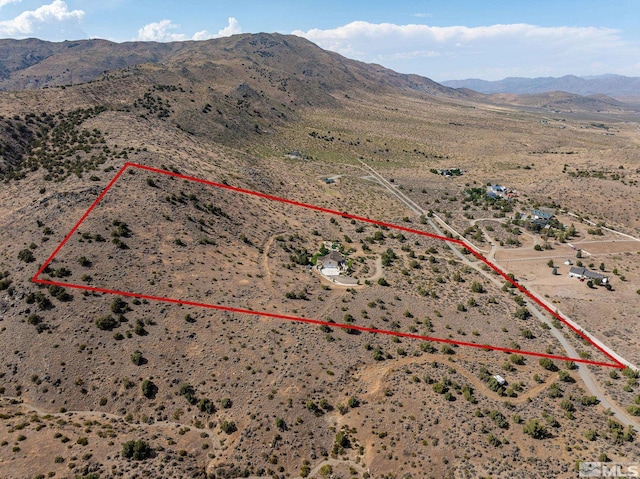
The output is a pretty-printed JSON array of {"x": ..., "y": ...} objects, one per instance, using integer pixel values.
[
  {"x": 449, "y": 172},
  {"x": 332, "y": 264},
  {"x": 541, "y": 215},
  {"x": 497, "y": 191},
  {"x": 583, "y": 273}
]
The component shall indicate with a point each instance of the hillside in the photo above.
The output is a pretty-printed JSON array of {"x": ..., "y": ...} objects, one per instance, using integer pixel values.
[
  {"x": 199, "y": 364},
  {"x": 34, "y": 64},
  {"x": 616, "y": 86},
  {"x": 562, "y": 101}
]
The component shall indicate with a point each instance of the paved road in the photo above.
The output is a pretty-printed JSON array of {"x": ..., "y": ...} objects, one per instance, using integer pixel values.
[{"x": 583, "y": 371}]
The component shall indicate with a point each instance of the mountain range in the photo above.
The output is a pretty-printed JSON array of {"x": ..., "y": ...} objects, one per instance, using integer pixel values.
[{"x": 616, "y": 86}]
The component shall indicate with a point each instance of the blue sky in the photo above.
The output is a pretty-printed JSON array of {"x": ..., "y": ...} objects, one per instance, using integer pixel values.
[{"x": 442, "y": 40}]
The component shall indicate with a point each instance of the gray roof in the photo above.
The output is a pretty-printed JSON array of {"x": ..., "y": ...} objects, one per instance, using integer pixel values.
[
  {"x": 542, "y": 214},
  {"x": 334, "y": 255},
  {"x": 582, "y": 271}
]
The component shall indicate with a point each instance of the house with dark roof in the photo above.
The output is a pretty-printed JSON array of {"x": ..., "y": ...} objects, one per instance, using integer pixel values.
[
  {"x": 541, "y": 215},
  {"x": 583, "y": 273}
]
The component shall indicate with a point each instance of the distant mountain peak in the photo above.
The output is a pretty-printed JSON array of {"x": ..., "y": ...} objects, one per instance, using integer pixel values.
[{"x": 616, "y": 86}]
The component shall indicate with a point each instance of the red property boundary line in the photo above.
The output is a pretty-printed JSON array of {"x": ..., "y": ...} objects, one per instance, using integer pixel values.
[{"x": 460, "y": 243}]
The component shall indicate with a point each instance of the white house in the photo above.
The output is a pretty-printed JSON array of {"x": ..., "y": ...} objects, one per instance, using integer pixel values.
[
  {"x": 584, "y": 273},
  {"x": 332, "y": 264}
]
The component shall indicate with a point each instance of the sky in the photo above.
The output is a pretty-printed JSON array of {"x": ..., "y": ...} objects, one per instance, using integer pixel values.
[{"x": 442, "y": 40}]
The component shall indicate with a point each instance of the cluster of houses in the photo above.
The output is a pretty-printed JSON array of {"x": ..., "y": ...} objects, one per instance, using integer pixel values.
[{"x": 500, "y": 192}]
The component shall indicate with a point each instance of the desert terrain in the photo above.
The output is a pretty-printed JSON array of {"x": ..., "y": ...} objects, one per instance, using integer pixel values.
[{"x": 155, "y": 382}]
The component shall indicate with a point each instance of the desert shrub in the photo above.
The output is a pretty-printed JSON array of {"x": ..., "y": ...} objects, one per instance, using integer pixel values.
[
  {"x": 499, "y": 419},
  {"x": 206, "y": 405},
  {"x": 137, "y": 358},
  {"x": 107, "y": 323},
  {"x": 535, "y": 429},
  {"x": 137, "y": 450},
  {"x": 633, "y": 410},
  {"x": 554, "y": 391},
  {"x": 228, "y": 427},
  {"x": 516, "y": 359},
  {"x": 547, "y": 364},
  {"x": 26, "y": 255},
  {"x": 139, "y": 328},
  {"x": 446, "y": 349},
  {"x": 149, "y": 389},
  {"x": 591, "y": 434},
  {"x": 342, "y": 440},
  {"x": 281, "y": 424},
  {"x": 188, "y": 391},
  {"x": 494, "y": 441},
  {"x": 119, "y": 306},
  {"x": 84, "y": 261},
  {"x": 564, "y": 376},
  {"x": 440, "y": 388},
  {"x": 589, "y": 400},
  {"x": 62, "y": 272}
]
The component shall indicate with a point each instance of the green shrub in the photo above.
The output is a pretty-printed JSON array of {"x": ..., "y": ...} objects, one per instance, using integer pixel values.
[
  {"x": 107, "y": 323},
  {"x": 137, "y": 450},
  {"x": 547, "y": 364},
  {"x": 149, "y": 389},
  {"x": 137, "y": 358},
  {"x": 26, "y": 255},
  {"x": 477, "y": 287},
  {"x": 228, "y": 427},
  {"x": 206, "y": 405},
  {"x": 535, "y": 429}
]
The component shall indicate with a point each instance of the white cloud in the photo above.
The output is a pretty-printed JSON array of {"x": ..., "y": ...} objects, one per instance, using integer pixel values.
[
  {"x": 7, "y": 2},
  {"x": 52, "y": 20},
  {"x": 160, "y": 32},
  {"x": 232, "y": 28},
  {"x": 491, "y": 52},
  {"x": 165, "y": 31}
]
